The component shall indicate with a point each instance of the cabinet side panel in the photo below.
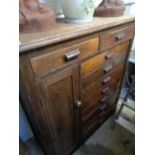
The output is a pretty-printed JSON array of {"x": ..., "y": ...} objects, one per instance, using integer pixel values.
[{"x": 30, "y": 100}]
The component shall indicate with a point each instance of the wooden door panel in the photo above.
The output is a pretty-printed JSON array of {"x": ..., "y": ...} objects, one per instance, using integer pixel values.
[
  {"x": 60, "y": 92},
  {"x": 60, "y": 107}
]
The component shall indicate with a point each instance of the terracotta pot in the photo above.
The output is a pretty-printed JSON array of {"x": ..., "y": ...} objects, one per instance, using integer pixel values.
[
  {"x": 35, "y": 17},
  {"x": 110, "y": 8}
]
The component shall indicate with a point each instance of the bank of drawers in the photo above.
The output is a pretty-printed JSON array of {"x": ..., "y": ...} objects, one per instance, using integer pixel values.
[
  {"x": 101, "y": 77},
  {"x": 99, "y": 97}
]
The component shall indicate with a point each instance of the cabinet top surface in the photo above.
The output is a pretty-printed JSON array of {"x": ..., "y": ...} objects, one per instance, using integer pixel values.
[{"x": 64, "y": 31}]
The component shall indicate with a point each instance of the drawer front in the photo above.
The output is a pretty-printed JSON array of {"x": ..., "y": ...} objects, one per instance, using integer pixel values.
[
  {"x": 115, "y": 37},
  {"x": 99, "y": 93},
  {"x": 55, "y": 59},
  {"x": 90, "y": 98},
  {"x": 100, "y": 65},
  {"x": 99, "y": 114},
  {"x": 105, "y": 113},
  {"x": 113, "y": 56},
  {"x": 90, "y": 124}
]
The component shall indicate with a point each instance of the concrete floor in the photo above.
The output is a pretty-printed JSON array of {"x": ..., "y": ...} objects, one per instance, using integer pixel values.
[{"x": 108, "y": 141}]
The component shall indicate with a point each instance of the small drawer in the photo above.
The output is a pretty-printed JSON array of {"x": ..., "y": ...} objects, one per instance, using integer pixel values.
[
  {"x": 90, "y": 107},
  {"x": 116, "y": 37},
  {"x": 91, "y": 92},
  {"x": 52, "y": 60},
  {"x": 90, "y": 123},
  {"x": 106, "y": 60},
  {"x": 104, "y": 114}
]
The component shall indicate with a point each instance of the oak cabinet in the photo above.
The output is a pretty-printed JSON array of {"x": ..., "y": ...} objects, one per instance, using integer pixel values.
[{"x": 70, "y": 86}]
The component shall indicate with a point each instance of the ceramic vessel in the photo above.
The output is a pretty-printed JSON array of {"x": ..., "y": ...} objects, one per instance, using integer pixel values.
[
  {"x": 35, "y": 17},
  {"x": 56, "y": 7},
  {"x": 110, "y": 8},
  {"x": 79, "y": 11}
]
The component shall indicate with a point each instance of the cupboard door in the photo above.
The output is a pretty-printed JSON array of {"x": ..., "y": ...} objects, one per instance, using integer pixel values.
[{"x": 60, "y": 92}]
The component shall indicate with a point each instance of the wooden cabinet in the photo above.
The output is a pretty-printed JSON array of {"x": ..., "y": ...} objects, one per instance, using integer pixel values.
[{"x": 70, "y": 86}]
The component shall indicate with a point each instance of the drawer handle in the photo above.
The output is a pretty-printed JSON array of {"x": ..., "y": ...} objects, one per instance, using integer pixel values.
[
  {"x": 73, "y": 54},
  {"x": 105, "y": 90},
  {"x": 104, "y": 99},
  {"x": 110, "y": 55},
  {"x": 120, "y": 35},
  {"x": 106, "y": 80},
  {"x": 103, "y": 107},
  {"x": 108, "y": 68}
]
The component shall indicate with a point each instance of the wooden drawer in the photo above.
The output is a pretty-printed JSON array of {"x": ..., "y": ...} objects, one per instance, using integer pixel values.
[
  {"x": 113, "y": 56},
  {"x": 90, "y": 123},
  {"x": 92, "y": 91},
  {"x": 52, "y": 60},
  {"x": 105, "y": 113},
  {"x": 113, "y": 77},
  {"x": 101, "y": 91},
  {"x": 115, "y": 37}
]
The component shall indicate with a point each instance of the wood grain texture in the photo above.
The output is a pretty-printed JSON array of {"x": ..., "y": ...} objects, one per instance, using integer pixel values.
[
  {"x": 60, "y": 92},
  {"x": 95, "y": 109},
  {"x": 52, "y": 87},
  {"x": 30, "y": 95},
  {"x": 91, "y": 123},
  {"x": 51, "y": 60},
  {"x": 119, "y": 53},
  {"x": 64, "y": 32},
  {"x": 93, "y": 93},
  {"x": 115, "y": 37}
]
